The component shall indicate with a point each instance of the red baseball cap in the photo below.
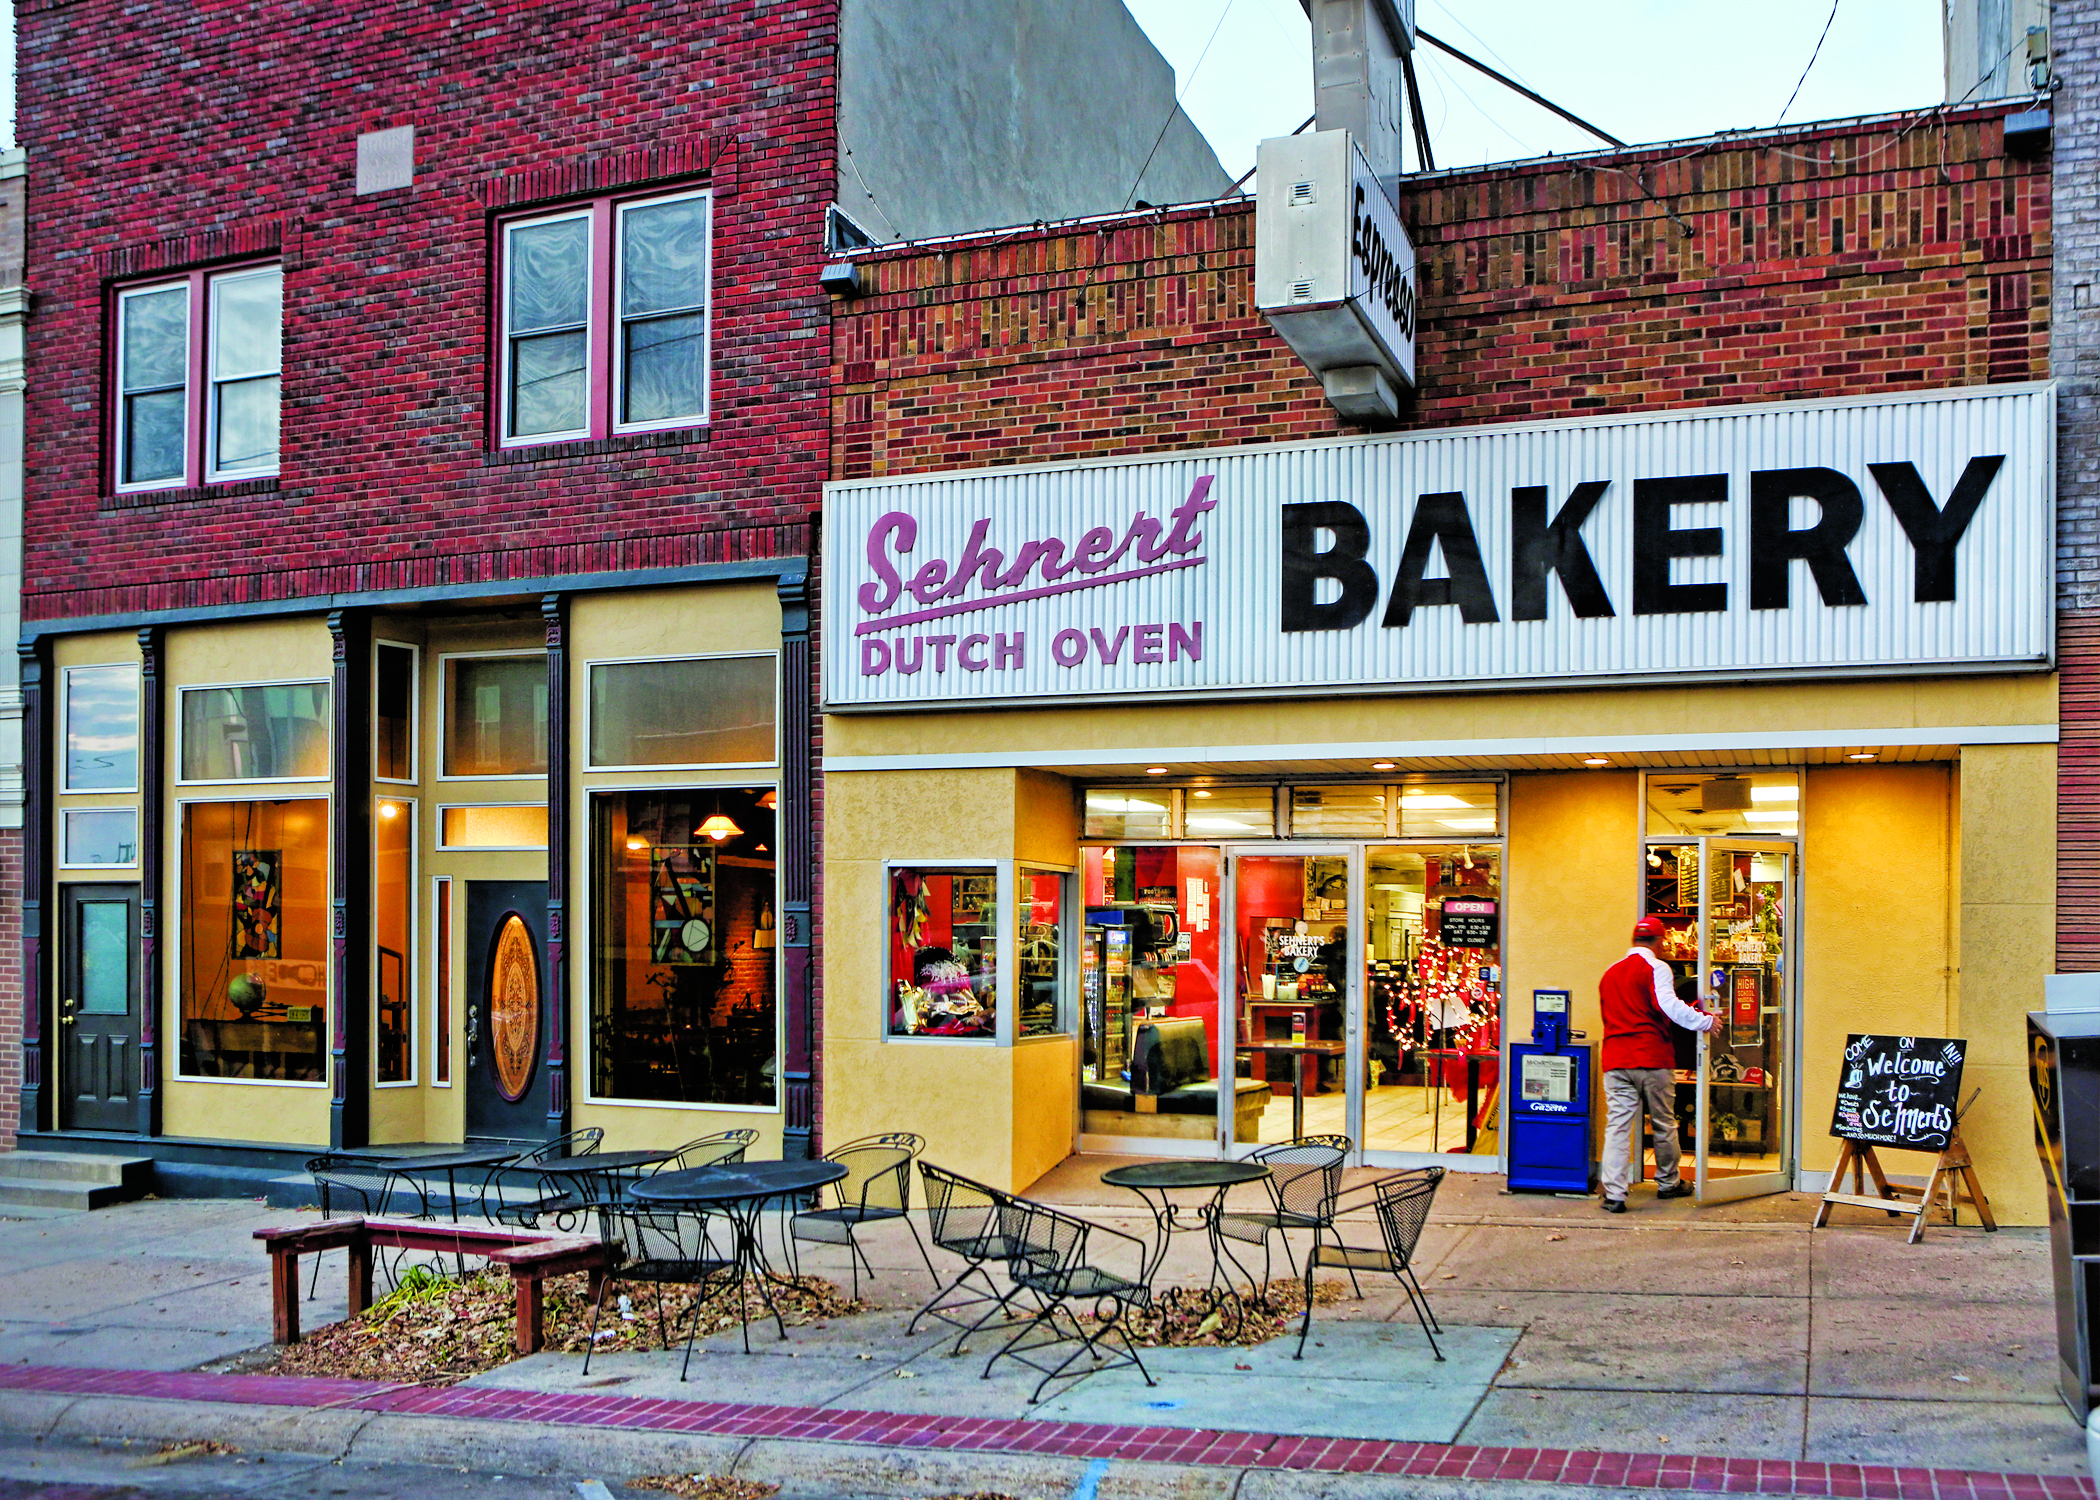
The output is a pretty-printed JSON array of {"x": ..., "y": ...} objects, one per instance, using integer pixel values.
[{"x": 1647, "y": 927}]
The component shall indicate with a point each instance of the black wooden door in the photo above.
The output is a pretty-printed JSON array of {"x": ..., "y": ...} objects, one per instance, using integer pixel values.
[
  {"x": 98, "y": 1006},
  {"x": 507, "y": 1010}
]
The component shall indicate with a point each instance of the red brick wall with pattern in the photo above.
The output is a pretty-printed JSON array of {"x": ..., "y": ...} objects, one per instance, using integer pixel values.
[
  {"x": 1867, "y": 256},
  {"x": 387, "y": 477}
]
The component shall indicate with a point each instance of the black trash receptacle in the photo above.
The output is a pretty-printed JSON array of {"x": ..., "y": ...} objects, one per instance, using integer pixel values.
[{"x": 2063, "y": 1069}]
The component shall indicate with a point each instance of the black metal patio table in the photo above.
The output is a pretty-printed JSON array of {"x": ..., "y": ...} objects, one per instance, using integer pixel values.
[
  {"x": 415, "y": 1171},
  {"x": 739, "y": 1192},
  {"x": 1156, "y": 1181},
  {"x": 591, "y": 1178}
]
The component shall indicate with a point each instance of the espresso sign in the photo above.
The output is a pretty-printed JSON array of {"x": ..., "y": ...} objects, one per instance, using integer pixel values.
[
  {"x": 1899, "y": 1091},
  {"x": 1790, "y": 539}
]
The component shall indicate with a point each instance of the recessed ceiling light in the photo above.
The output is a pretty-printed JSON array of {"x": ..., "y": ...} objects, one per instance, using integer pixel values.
[
  {"x": 1381, "y": 765},
  {"x": 1863, "y": 755},
  {"x": 1155, "y": 770},
  {"x": 1201, "y": 792},
  {"x": 1595, "y": 760}
]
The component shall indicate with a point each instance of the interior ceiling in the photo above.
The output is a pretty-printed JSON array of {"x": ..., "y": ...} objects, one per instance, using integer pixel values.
[{"x": 1313, "y": 770}]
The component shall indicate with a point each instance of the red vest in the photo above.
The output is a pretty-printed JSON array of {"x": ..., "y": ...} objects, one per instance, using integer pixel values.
[{"x": 1636, "y": 1032}]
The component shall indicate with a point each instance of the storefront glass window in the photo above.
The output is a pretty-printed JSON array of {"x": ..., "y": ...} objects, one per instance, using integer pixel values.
[
  {"x": 441, "y": 986},
  {"x": 1752, "y": 802},
  {"x": 502, "y": 826},
  {"x": 1128, "y": 813},
  {"x": 393, "y": 712},
  {"x": 1443, "y": 810},
  {"x": 1039, "y": 913},
  {"x": 944, "y": 951},
  {"x": 102, "y": 728},
  {"x": 277, "y": 732},
  {"x": 253, "y": 891},
  {"x": 1229, "y": 812},
  {"x": 684, "y": 974},
  {"x": 1339, "y": 812},
  {"x": 101, "y": 836},
  {"x": 642, "y": 712},
  {"x": 496, "y": 715},
  {"x": 393, "y": 843}
]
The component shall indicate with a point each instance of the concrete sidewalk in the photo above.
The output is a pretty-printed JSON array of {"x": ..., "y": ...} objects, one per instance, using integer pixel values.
[{"x": 1733, "y": 1333}]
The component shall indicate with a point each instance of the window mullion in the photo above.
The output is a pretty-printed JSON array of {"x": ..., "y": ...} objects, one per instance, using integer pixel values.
[
  {"x": 604, "y": 317},
  {"x": 196, "y": 404}
]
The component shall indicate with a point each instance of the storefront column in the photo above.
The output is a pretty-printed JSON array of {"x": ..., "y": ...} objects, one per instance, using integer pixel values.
[
  {"x": 796, "y": 858},
  {"x": 554, "y": 613},
  {"x": 350, "y": 869},
  {"x": 2007, "y": 943},
  {"x": 37, "y": 834},
  {"x": 152, "y": 701}
]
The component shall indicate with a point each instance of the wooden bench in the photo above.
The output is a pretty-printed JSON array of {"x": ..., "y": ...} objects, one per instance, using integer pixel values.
[{"x": 530, "y": 1258}]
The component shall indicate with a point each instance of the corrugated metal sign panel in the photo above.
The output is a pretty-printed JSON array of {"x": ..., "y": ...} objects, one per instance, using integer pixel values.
[{"x": 1165, "y": 576}]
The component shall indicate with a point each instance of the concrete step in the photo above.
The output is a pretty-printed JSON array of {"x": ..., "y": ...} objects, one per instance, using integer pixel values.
[
  {"x": 45, "y": 1192},
  {"x": 70, "y": 1182}
]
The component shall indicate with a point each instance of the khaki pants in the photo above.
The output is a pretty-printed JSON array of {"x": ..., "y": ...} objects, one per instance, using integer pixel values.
[{"x": 1626, "y": 1092}]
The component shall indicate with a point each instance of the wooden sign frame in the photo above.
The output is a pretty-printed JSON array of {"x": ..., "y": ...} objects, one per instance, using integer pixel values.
[{"x": 1954, "y": 1173}]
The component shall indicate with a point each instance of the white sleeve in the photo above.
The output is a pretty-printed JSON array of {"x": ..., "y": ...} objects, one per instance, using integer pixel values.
[{"x": 1666, "y": 1000}]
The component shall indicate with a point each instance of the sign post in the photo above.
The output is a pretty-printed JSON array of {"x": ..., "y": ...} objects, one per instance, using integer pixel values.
[{"x": 1900, "y": 1092}]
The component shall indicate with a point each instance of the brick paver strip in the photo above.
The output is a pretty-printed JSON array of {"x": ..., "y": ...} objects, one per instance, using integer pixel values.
[{"x": 1642, "y": 1471}]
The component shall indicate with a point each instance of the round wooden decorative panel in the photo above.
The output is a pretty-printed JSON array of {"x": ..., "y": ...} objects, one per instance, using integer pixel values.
[{"x": 514, "y": 1007}]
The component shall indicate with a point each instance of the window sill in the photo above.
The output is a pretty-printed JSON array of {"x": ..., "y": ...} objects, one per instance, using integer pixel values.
[
  {"x": 226, "y": 490},
  {"x": 626, "y": 442}
]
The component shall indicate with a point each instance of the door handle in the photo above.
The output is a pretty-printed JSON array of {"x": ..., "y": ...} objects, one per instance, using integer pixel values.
[
  {"x": 473, "y": 1026},
  {"x": 68, "y": 1004}
]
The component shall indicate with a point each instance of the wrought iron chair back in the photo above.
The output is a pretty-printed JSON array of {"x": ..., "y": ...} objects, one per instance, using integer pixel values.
[
  {"x": 1305, "y": 1177},
  {"x": 534, "y": 1195},
  {"x": 876, "y": 1188},
  {"x": 717, "y": 1150},
  {"x": 1402, "y": 1207},
  {"x": 663, "y": 1248},
  {"x": 967, "y": 1219},
  {"x": 1052, "y": 1259}
]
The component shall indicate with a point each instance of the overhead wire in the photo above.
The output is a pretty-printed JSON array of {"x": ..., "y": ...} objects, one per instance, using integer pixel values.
[
  {"x": 1820, "y": 40},
  {"x": 1175, "y": 109}
]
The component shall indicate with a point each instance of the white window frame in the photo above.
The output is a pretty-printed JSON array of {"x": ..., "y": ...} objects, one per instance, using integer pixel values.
[
  {"x": 174, "y": 939},
  {"x": 440, "y": 980},
  {"x": 65, "y": 841},
  {"x": 616, "y": 388},
  {"x": 120, "y": 447},
  {"x": 438, "y": 833},
  {"x": 444, "y": 692},
  {"x": 212, "y": 380},
  {"x": 506, "y": 340},
  {"x": 1004, "y": 1022},
  {"x": 415, "y": 711},
  {"x": 1069, "y": 924},
  {"x": 65, "y": 727},
  {"x": 196, "y": 687},
  {"x": 410, "y": 976},
  {"x": 590, "y": 709},
  {"x": 589, "y": 967}
]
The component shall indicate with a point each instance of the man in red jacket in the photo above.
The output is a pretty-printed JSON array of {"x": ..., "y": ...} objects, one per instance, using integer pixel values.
[{"x": 1640, "y": 1001}]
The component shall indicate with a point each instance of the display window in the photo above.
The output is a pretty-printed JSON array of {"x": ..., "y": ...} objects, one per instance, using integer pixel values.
[
  {"x": 393, "y": 882},
  {"x": 393, "y": 711},
  {"x": 252, "y": 892},
  {"x": 684, "y": 976},
  {"x": 641, "y": 712},
  {"x": 944, "y": 951},
  {"x": 1039, "y": 951},
  {"x": 496, "y": 715},
  {"x": 275, "y": 731}
]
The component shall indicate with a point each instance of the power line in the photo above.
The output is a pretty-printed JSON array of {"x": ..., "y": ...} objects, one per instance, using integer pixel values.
[
  {"x": 1175, "y": 108},
  {"x": 1790, "y": 98},
  {"x": 1508, "y": 82}
]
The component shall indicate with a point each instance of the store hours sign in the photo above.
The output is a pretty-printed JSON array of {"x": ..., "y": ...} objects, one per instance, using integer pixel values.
[{"x": 1797, "y": 539}]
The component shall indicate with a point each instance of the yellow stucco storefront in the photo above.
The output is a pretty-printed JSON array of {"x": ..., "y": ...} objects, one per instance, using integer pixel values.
[{"x": 1926, "y": 895}]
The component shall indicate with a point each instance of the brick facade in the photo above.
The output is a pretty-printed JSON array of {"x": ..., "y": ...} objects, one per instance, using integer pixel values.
[
  {"x": 1881, "y": 255},
  {"x": 388, "y": 478}
]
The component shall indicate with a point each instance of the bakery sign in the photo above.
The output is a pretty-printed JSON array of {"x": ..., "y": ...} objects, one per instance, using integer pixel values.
[{"x": 1791, "y": 539}]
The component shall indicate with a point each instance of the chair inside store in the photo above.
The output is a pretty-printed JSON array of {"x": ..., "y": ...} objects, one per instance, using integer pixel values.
[
  {"x": 1055, "y": 1260},
  {"x": 1402, "y": 1210},
  {"x": 876, "y": 1189},
  {"x": 968, "y": 1219},
  {"x": 1304, "y": 1182}
]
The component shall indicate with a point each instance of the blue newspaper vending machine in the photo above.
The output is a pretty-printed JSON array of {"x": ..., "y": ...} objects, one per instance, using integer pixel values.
[{"x": 1549, "y": 1105}]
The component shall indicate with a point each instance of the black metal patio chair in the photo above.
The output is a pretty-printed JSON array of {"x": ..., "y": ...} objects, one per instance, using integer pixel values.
[
  {"x": 660, "y": 1247},
  {"x": 353, "y": 1185},
  {"x": 515, "y": 1195},
  {"x": 966, "y": 1218},
  {"x": 1402, "y": 1209},
  {"x": 1304, "y": 1182},
  {"x": 719, "y": 1149},
  {"x": 1053, "y": 1262},
  {"x": 875, "y": 1189}
]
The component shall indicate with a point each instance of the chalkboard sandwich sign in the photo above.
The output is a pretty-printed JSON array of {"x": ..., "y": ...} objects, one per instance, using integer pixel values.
[{"x": 1902, "y": 1093}]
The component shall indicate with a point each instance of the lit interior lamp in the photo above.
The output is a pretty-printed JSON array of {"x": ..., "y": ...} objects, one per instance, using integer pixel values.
[
  {"x": 719, "y": 828},
  {"x": 1201, "y": 793},
  {"x": 390, "y": 809},
  {"x": 770, "y": 800},
  {"x": 763, "y": 938},
  {"x": 637, "y": 845}
]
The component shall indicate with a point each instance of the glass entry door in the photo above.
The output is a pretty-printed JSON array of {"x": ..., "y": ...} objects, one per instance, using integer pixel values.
[
  {"x": 1295, "y": 991},
  {"x": 1727, "y": 908}
]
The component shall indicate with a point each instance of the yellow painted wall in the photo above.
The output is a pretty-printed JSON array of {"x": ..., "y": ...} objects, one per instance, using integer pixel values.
[
  {"x": 261, "y": 651},
  {"x": 1877, "y": 922},
  {"x": 2008, "y": 943}
]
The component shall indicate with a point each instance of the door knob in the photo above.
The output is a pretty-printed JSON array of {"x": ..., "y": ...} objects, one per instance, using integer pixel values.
[{"x": 66, "y": 1020}]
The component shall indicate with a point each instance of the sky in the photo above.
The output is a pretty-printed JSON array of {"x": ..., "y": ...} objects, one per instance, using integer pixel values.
[{"x": 1645, "y": 70}]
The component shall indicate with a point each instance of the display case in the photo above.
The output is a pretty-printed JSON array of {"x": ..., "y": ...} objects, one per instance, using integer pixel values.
[{"x": 2063, "y": 1072}]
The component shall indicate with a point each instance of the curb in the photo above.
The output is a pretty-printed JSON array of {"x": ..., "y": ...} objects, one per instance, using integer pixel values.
[{"x": 836, "y": 1451}]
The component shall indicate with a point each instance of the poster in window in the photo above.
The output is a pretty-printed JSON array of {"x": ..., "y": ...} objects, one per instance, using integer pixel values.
[
  {"x": 258, "y": 903},
  {"x": 1746, "y": 1007},
  {"x": 682, "y": 918}
]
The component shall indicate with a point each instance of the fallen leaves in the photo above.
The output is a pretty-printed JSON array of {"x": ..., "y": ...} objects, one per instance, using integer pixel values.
[
  {"x": 175, "y": 1453},
  {"x": 1186, "y": 1318},
  {"x": 437, "y": 1330},
  {"x": 705, "y": 1486}
]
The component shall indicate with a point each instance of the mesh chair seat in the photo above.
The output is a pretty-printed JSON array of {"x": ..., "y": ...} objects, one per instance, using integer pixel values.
[
  {"x": 875, "y": 1189},
  {"x": 1054, "y": 1263},
  {"x": 1304, "y": 1181},
  {"x": 1402, "y": 1207}
]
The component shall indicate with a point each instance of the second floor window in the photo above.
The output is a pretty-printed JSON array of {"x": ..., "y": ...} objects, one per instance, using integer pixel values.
[
  {"x": 198, "y": 361},
  {"x": 605, "y": 319}
]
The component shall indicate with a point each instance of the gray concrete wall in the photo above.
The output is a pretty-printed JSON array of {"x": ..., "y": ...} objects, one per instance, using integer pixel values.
[
  {"x": 972, "y": 114},
  {"x": 1985, "y": 46}
]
